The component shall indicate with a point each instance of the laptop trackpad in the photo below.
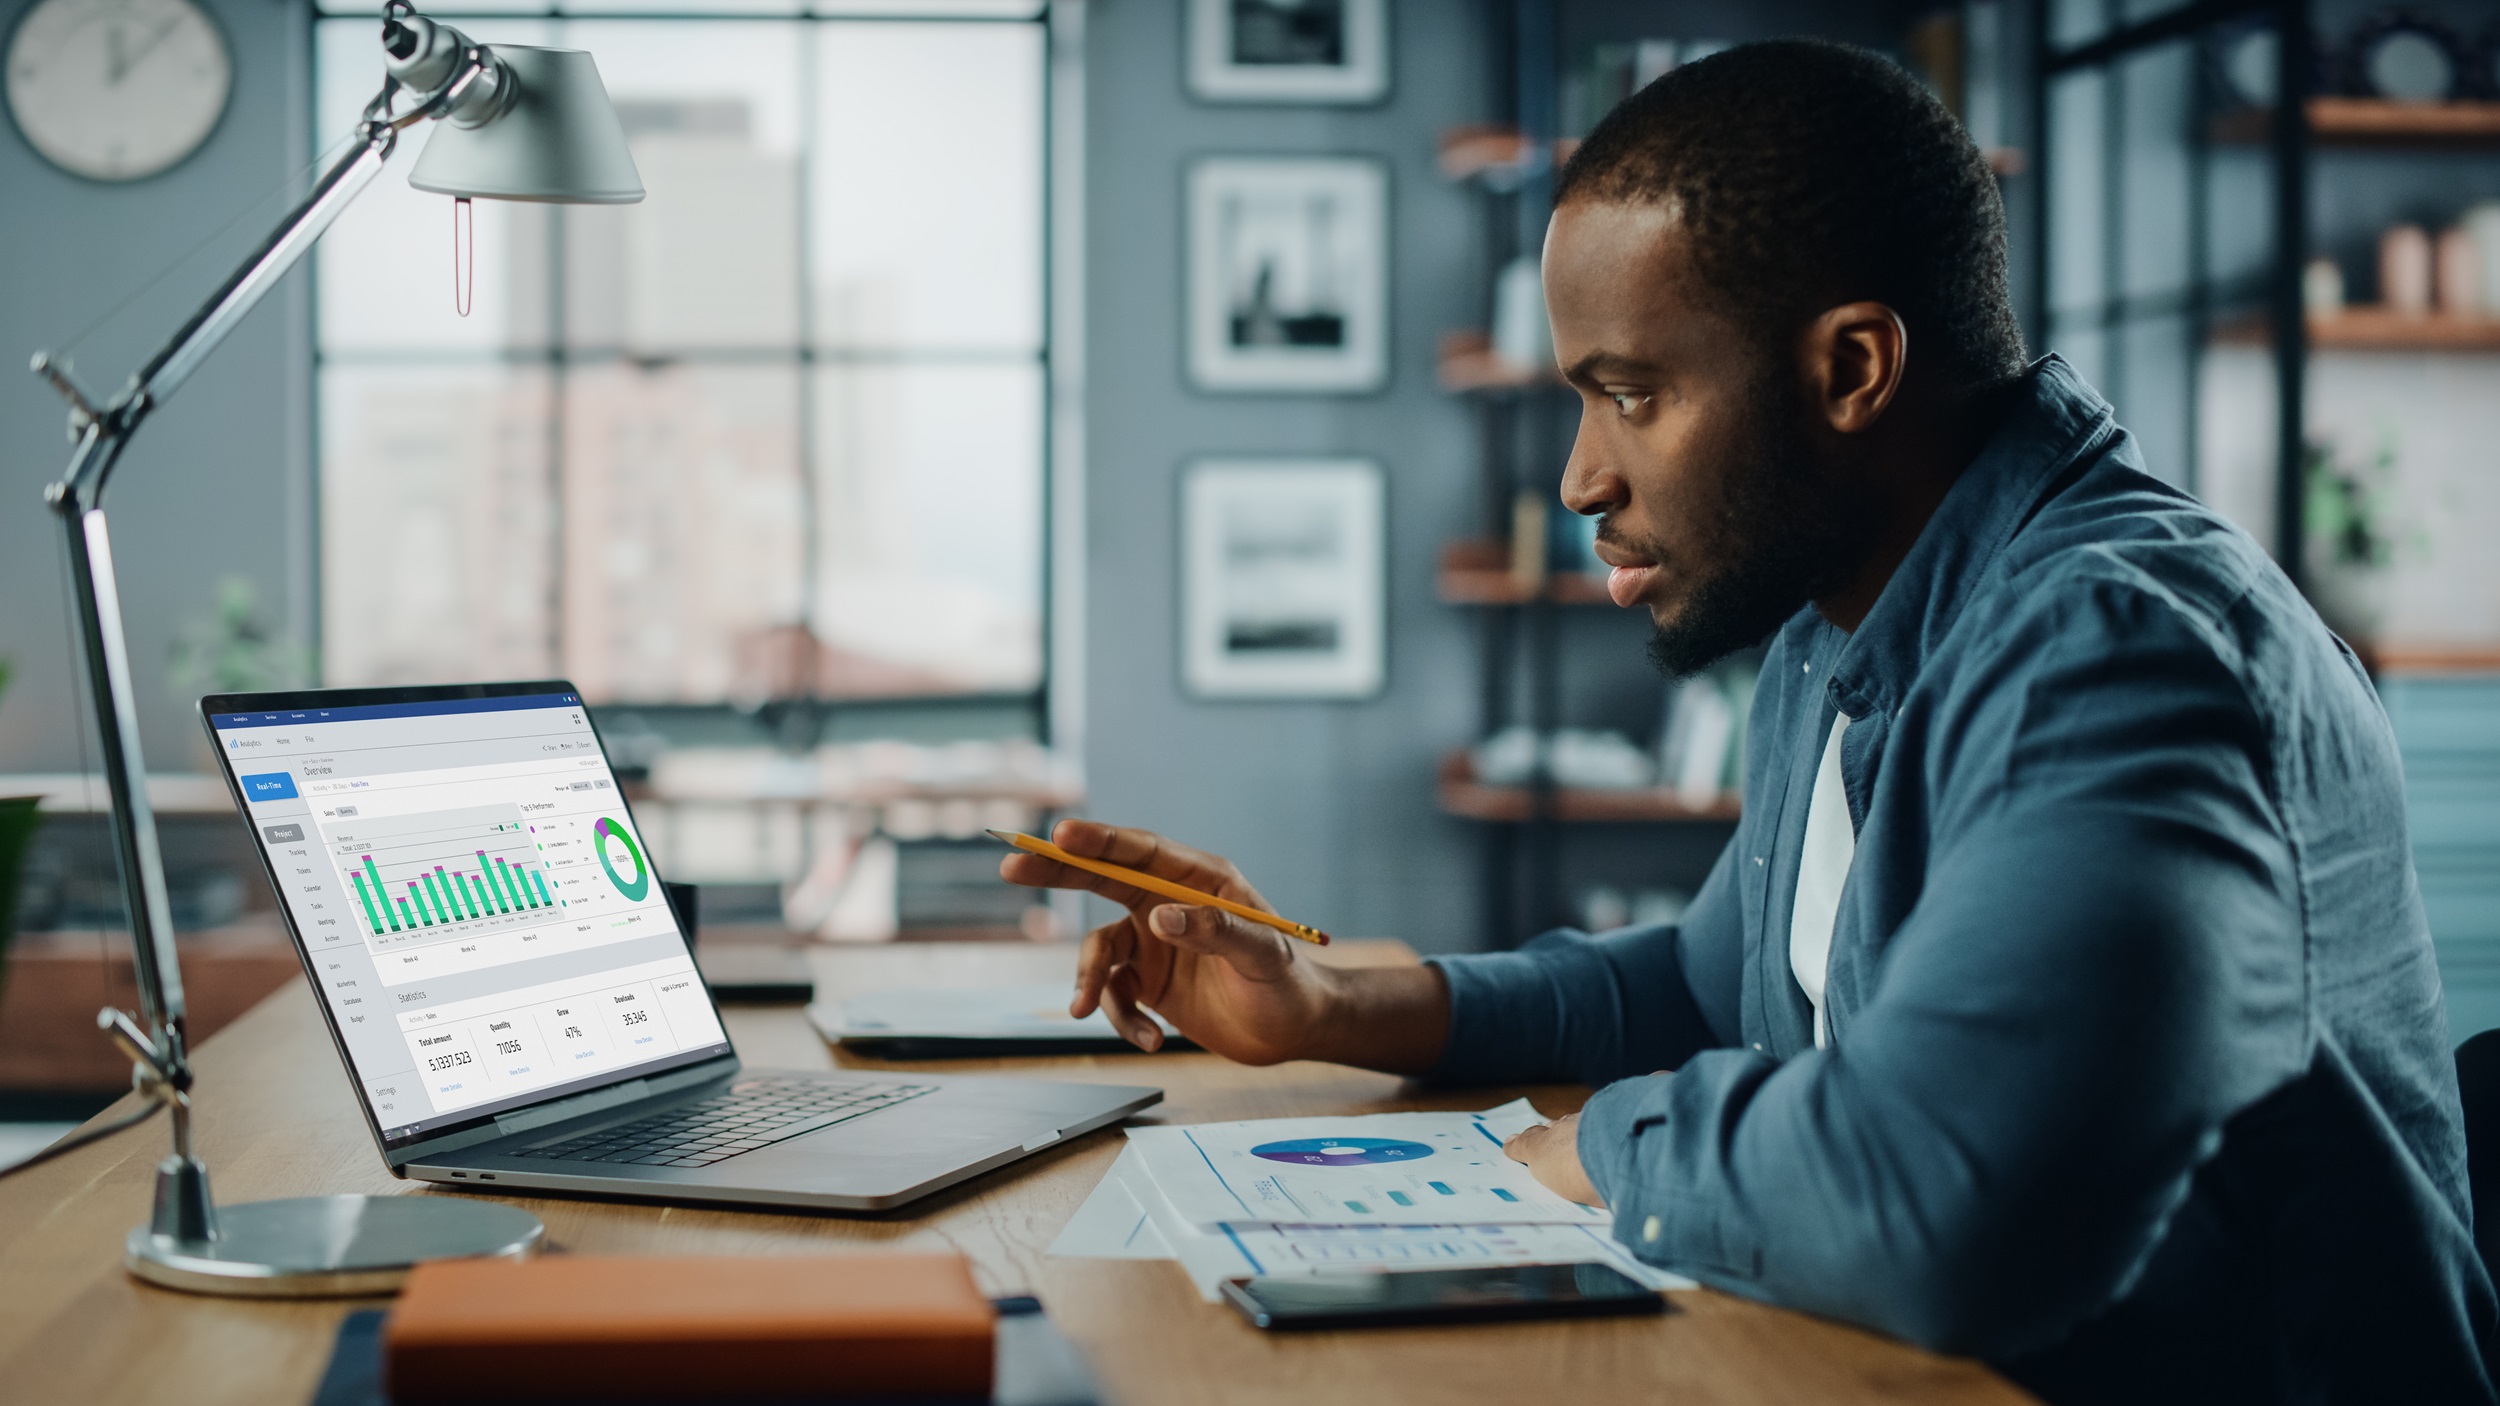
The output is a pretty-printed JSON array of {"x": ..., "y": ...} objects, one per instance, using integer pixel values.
[{"x": 888, "y": 1151}]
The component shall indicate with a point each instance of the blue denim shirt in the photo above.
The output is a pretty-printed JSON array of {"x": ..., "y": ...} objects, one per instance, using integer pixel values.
[{"x": 2139, "y": 1084}]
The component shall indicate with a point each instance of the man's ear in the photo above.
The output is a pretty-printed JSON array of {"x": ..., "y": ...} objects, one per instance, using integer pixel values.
[{"x": 1853, "y": 358}]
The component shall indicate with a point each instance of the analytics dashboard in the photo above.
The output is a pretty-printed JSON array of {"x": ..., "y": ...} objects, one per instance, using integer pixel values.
[{"x": 473, "y": 899}]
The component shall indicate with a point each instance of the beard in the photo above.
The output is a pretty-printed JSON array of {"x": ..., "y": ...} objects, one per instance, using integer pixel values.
[{"x": 1788, "y": 528}]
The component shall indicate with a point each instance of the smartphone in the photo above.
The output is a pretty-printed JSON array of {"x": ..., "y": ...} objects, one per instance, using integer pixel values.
[{"x": 1441, "y": 1296}]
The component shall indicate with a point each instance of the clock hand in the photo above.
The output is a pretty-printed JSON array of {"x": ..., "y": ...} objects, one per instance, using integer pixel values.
[{"x": 155, "y": 37}]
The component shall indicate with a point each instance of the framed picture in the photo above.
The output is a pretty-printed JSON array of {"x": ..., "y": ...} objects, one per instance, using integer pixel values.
[
  {"x": 1281, "y": 579},
  {"x": 1289, "y": 51},
  {"x": 1288, "y": 274}
]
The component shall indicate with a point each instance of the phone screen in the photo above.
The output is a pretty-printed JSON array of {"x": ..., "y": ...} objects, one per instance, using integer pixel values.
[{"x": 1441, "y": 1296}]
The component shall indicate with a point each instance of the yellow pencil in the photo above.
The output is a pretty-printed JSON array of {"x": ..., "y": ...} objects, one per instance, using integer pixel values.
[{"x": 1178, "y": 893}]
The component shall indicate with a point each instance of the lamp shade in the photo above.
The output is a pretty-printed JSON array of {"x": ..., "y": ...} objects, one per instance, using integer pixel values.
[{"x": 558, "y": 142}]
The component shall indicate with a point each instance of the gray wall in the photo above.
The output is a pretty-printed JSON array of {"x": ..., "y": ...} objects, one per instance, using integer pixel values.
[
  {"x": 218, "y": 483},
  {"x": 1327, "y": 806}
]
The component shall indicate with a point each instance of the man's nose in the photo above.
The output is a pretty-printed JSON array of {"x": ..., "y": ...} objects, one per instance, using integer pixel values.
[{"x": 1589, "y": 486}]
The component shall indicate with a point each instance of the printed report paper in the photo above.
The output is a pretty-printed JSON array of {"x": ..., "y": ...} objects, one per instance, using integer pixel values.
[
  {"x": 1434, "y": 1169},
  {"x": 1209, "y": 1257}
]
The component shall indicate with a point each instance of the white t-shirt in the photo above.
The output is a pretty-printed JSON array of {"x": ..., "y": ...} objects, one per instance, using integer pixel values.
[{"x": 1831, "y": 842}]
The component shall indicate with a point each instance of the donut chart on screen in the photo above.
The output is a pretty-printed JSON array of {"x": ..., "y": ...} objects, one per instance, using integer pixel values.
[
  {"x": 638, "y": 887},
  {"x": 1341, "y": 1151}
]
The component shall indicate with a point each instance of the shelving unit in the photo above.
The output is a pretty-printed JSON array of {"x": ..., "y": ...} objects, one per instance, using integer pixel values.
[
  {"x": 1479, "y": 573},
  {"x": 1460, "y": 793},
  {"x": 2374, "y": 122},
  {"x": 1468, "y": 366},
  {"x": 1519, "y": 607},
  {"x": 2366, "y": 328},
  {"x": 2319, "y": 151}
]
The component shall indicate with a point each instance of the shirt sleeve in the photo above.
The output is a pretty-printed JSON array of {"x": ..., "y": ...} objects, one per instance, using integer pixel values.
[
  {"x": 1592, "y": 1009},
  {"x": 2104, "y": 966}
]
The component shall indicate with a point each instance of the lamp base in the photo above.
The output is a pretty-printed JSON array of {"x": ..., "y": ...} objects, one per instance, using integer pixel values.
[{"x": 329, "y": 1246}]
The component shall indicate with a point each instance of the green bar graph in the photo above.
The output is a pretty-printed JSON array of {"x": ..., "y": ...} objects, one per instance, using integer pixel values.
[
  {"x": 486, "y": 883},
  {"x": 403, "y": 913},
  {"x": 372, "y": 914},
  {"x": 468, "y": 896},
  {"x": 520, "y": 895},
  {"x": 442, "y": 908},
  {"x": 381, "y": 894},
  {"x": 460, "y": 906},
  {"x": 416, "y": 900},
  {"x": 541, "y": 885}
]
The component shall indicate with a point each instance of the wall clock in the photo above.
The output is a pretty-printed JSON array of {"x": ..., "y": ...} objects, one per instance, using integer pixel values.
[{"x": 117, "y": 90}]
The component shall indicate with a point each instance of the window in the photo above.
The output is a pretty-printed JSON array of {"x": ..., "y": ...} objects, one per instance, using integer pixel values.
[{"x": 776, "y": 431}]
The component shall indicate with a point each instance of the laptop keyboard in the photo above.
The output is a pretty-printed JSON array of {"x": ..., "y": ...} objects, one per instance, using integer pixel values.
[{"x": 749, "y": 1114}]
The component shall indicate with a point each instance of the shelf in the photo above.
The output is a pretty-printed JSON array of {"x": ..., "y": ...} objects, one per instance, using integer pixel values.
[
  {"x": 1501, "y": 157},
  {"x": 1461, "y": 794},
  {"x": 2416, "y": 657},
  {"x": 1496, "y": 154},
  {"x": 1468, "y": 364},
  {"x": 1478, "y": 573},
  {"x": 2377, "y": 122},
  {"x": 2370, "y": 328}
]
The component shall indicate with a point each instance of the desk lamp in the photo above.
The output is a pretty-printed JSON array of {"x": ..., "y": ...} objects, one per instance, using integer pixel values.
[{"x": 513, "y": 123}]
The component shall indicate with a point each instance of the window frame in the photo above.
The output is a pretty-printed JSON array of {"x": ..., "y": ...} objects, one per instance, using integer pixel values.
[{"x": 1047, "y": 709}]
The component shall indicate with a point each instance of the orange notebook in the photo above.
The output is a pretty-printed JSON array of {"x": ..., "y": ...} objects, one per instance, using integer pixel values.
[{"x": 576, "y": 1327}]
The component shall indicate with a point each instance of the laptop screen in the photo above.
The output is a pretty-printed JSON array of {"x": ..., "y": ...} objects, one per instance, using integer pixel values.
[{"x": 473, "y": 899}]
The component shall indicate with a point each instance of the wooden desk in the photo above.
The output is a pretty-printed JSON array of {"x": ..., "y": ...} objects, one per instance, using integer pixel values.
[{"x": 276, "y": 1120}]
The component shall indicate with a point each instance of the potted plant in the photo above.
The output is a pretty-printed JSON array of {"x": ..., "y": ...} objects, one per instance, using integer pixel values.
[{"x": 2350, "y": 510}]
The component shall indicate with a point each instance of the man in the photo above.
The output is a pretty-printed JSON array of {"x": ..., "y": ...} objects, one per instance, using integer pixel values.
[{"x": 2064, "y": 997}]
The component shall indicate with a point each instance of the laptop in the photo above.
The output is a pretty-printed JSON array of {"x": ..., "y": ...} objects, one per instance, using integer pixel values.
[{"x": 514, "y": 1000}]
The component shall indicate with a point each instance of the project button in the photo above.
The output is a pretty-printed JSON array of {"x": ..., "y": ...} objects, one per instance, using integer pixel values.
[{"x": 269, "y": 786}]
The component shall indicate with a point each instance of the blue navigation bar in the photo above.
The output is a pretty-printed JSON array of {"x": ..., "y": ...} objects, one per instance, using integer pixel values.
[{"x": 225, "y": 721}]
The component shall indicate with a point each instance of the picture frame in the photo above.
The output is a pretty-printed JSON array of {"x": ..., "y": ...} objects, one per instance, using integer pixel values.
[
  {"x": 1288, "y": 274},
  {"x": 1283, "y": 582},
  {"x": 1289, "y": 51}
]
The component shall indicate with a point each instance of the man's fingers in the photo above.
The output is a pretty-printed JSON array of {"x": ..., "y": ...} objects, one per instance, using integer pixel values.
[
  {"x": 1120, "y": 1004},
  {"x": 1256, "y": 951},
  {"x": 1154, "y": 854},
  {"x": 1035, "y": 872},
  {"x": 1104, "y": 950}
]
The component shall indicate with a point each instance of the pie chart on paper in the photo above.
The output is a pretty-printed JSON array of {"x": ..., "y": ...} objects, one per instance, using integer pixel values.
[{"x": 1341, "y": 1151}]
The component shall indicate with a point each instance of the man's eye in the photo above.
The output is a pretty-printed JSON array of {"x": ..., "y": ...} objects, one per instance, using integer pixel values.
[{"x": 1626, "y": 402}]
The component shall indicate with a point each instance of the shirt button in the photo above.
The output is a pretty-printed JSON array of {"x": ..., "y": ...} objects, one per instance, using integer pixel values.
[
  {"x": 1809, "y": 666},
  {"x": 1757, "y": 859},
  {"x": 1649, "y": 1230}
]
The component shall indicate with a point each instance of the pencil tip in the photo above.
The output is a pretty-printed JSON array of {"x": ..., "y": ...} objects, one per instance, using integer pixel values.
[{"x": 1000, "y": 835}]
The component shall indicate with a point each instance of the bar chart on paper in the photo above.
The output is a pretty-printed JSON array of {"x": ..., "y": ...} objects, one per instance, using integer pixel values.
[{"x": 440, "y": 874}]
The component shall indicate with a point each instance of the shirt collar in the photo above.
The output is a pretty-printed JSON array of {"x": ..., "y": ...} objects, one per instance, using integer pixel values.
[{"x": 2053, "y": 419}]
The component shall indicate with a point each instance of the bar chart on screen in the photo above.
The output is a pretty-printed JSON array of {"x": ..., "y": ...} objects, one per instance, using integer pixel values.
[{"x": 440, "y": 875}]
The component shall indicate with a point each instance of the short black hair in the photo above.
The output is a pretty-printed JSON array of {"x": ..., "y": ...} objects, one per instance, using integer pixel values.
[{"x": 1812, "y": 174}]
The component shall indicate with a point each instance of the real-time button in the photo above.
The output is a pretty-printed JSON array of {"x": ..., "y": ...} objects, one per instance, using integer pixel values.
[{"x": 269, "y": 786}]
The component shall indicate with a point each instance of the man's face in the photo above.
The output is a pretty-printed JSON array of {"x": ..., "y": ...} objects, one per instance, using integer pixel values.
[{"x": 1696, "y": 442}]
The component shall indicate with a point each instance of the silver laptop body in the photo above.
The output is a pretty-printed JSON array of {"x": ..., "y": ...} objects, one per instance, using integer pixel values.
[{"x": 514, "y": 1000}]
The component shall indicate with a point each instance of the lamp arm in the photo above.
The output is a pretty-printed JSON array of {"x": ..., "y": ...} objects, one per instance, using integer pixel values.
[
  {"x": 77, "y": 499},
  {"x": 474, "y": 81}
]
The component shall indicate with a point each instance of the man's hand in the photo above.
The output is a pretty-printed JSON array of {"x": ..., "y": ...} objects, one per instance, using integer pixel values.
[
  {"x": 1245, "y": 991},
  {"x": 1552, "y": 1152}
]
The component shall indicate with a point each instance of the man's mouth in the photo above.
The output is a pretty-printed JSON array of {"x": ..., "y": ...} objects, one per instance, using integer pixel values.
[
  {"x": 1631, "y": 576},
  {"x": 1628, "y": 584}
]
